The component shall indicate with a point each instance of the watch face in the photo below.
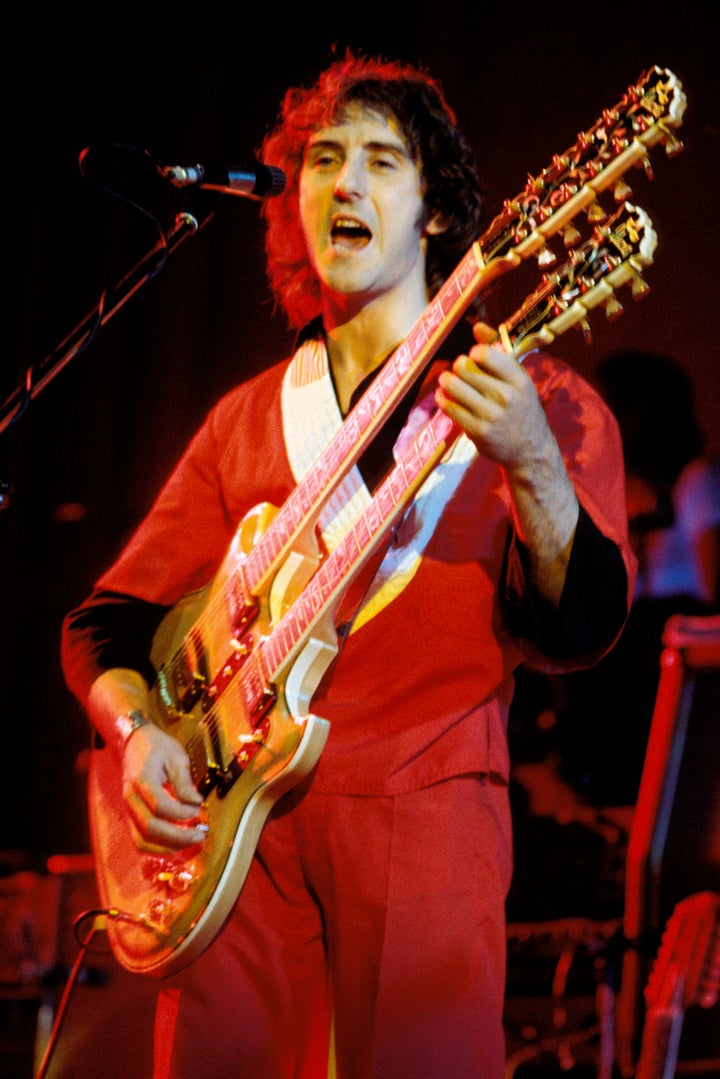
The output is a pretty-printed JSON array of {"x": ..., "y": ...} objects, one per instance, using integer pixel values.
[{"x": 127, "y": 723}]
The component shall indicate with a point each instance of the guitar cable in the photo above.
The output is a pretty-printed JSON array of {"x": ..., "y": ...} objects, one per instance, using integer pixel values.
[{"x": 99, "y": 924}]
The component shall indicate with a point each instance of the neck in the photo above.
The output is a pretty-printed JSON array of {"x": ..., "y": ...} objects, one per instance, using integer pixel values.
[{"x": 359, "y": 341}]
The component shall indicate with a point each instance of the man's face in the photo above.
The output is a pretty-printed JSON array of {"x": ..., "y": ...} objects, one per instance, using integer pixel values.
[{"x": 361, "y": 208}]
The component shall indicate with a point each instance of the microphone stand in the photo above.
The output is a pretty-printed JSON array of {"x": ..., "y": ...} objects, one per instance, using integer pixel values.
[{"x": 37, "y": 377}]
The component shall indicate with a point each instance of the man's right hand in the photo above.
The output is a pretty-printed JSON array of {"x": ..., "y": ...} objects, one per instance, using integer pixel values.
[{"x": 163, "y": 802}]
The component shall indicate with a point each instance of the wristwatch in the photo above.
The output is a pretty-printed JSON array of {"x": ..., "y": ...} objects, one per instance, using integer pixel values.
[{"x": 126, "y": 724}]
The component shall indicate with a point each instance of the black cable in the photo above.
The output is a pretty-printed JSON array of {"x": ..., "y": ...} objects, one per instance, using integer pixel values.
[{"x": 98, "y": 925}]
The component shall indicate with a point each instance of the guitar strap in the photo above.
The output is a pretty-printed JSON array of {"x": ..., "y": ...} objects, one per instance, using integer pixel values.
[{"x": 311, "y": 416}]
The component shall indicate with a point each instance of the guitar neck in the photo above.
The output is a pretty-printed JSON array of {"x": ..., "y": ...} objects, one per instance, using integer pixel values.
[
  {"x": 611, "y": 258},
  {"x": 648, "y": 113}
]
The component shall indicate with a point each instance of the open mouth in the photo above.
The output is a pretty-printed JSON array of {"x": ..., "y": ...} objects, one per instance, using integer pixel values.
[{"x": 348, "y": 232}]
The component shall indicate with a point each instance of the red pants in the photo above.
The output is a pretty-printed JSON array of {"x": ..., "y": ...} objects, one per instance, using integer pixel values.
[{"x": 387, "y": 913}]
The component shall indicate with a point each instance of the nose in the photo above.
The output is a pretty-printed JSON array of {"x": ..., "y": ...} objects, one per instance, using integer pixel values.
[{"x": 350, "y": 182}]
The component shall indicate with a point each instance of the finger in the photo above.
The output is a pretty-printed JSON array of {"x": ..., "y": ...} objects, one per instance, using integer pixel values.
[
  {"x": 465, "y": 406},
  {"x": 177, "y": 836},
  {"x": 500, "y": 368},
  {"x": 182, "y": 784},
  {"x": 477, "y": 386},
  {"x": 152, "y": 831},
  {"x": 170, "y": 807},
  {"x": 159, "y": 798},
  {"x": 484, "y": 333},
  {"x": 156, "y": 836},
  {"x": 453, "y": 386}
]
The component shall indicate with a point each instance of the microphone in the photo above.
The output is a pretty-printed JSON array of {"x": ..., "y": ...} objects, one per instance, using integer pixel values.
[{"x": 255, "y": 181}]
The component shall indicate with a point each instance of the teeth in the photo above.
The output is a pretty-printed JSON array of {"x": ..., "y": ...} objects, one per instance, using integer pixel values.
[
  {"x": 349, "y": 233},
  {"x": 347, "y": 223}
]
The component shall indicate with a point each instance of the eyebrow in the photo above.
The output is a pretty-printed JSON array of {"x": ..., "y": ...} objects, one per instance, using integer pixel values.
[{"x": 374, "y": 145}]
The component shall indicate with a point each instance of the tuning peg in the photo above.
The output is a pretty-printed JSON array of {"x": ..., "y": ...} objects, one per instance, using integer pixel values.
[
  {"x": 622, "y": 191},
  {"x": 673, "y": 145},
  {"x": 596, "y": 213},
  {"x": 648, "y": 167},
  {"x": 570, "y": 236},
  {"x": 640, "y": 287},
  {"x": 546, "y": 257},
  {"x": 584, "y": 327},
  {"x": 613, "y": 308},
  {"x": 534, "y": 185}
]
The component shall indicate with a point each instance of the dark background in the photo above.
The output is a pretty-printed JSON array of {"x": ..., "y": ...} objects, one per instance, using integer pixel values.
[{"x": 199, "y": 85}]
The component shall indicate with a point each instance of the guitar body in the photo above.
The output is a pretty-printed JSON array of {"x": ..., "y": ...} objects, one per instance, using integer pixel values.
[{"x": 166, "y": 906}]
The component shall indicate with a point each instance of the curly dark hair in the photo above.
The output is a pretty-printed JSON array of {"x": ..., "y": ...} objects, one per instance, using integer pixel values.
[{"x": 451, "y": 184}]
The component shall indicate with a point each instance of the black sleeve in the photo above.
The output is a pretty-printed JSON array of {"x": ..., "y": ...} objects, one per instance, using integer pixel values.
[
  {"x": 108, "y": 630},
  {"x": 593, "y": 606}
]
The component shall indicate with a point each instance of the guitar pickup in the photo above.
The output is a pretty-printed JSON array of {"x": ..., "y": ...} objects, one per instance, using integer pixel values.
[
  {"x": 189, "y": 682},
  {"x": 242, "y": 609},
  {"x": 192, "y": 692},
  {"x": 204, "y": 768},
  {"x": 179, "y": 692}
]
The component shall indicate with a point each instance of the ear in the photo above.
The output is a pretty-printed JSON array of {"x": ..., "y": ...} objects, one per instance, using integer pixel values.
[{"x": 435, "y": 225}]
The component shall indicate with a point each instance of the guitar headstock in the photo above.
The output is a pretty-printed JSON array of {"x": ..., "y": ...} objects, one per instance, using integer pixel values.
[
  {"x": 687, "y": 967},
  {"x": 615, "y": 254},
  {"x": 650, "y": 112}
]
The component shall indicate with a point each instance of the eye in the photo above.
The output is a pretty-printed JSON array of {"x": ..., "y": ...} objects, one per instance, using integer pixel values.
[
  {"x": 384, "y": 162},
  {"x": 323, "y": 158}
]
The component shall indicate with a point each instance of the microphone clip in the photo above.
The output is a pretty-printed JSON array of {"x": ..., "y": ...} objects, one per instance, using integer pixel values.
[{"x": 255, "y": 181}]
